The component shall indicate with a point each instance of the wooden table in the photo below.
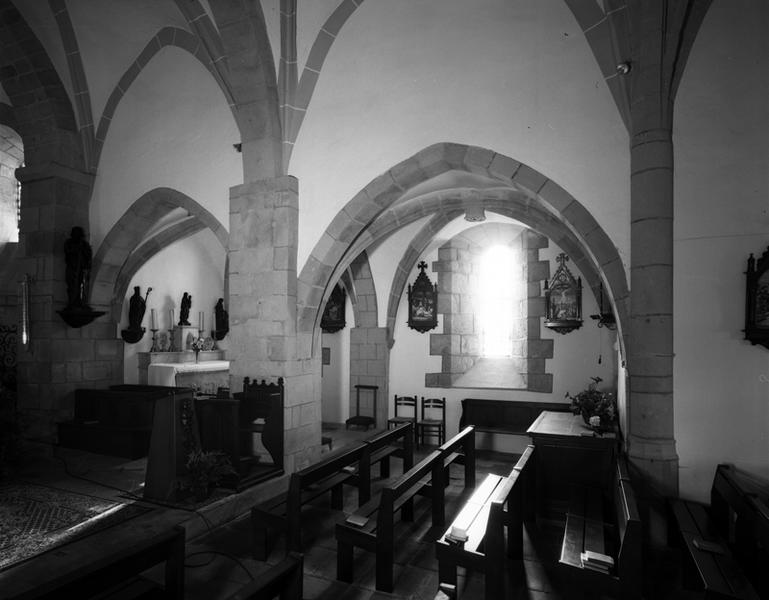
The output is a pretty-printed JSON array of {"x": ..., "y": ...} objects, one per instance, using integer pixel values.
[{"x": 568, "y": 453}]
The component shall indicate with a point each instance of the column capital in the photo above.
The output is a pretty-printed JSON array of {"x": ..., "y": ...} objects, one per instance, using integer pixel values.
[
  {"x": 49, "y": 170},
  {"x": 260, "y": 186}
]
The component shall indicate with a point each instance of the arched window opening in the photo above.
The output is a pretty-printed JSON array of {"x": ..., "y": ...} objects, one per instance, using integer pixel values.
[
  {"x": 497, "y": 282},
  {"x": 11, "y": 158}
]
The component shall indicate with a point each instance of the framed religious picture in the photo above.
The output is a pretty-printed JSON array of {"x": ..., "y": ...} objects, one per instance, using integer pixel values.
[
  {"x": 757, "y": 300},
  {"x": 333, "y": 315},
  {"x": 423, "y": 302},
  {"x": 563, "y": 299}
]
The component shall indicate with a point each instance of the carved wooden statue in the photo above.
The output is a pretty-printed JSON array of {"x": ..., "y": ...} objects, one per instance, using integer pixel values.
[
  {"x": 184, "y": 312},
  {"x": 136, "y": 308},
  {"x": 78, "y": 257}
]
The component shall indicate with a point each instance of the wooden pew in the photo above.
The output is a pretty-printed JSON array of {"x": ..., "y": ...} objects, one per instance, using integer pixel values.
[
  {"x": 504, "y": 416},
  {"x": 498, "y": 503},
  {"x": 379, "y": 448},
  {"x": 102, "y": 563},
  {"x": 283, "y": 580},
  {"x": 725, "y": 544},
  {"x": 283, "y": 513},
  {"x": 349, "y": 465},
  {"x": 371, "y": 527},
  {"x": 587, "y": 529},
  {"x": 461, "y": 450}
]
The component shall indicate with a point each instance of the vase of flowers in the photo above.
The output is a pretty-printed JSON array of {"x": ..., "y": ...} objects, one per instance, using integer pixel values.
[
  {"x": 197, "y": 346},
  {"x": 597, "y": 407}
]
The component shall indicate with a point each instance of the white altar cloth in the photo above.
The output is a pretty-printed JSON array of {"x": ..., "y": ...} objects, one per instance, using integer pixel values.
[{"x": 165, "y": 373}]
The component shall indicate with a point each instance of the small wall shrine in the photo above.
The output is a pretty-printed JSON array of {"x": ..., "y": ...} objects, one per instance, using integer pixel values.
[{"x": 563, "y": 299}]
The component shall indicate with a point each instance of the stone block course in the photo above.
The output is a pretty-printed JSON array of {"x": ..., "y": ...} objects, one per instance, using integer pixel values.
[{"x": 503, "y": 167}]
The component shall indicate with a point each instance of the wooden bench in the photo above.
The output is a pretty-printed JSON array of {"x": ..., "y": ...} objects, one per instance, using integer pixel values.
[
  {"x": 498, "y": 503},
  {"x": 283, "y": 580},
  {"x": 102, "y": 563},
  {"x": 725, "y": 545},
  {"x": 371, "y": 527},
  {"x": 349, "y": 465},
  {"x": 378, "y": 449},
  {"x": 607, "y": 524},
  {"x": 504, "y": 416},
  {"x": 282, "y": 514},
  {"x": 460, "y": 450}
]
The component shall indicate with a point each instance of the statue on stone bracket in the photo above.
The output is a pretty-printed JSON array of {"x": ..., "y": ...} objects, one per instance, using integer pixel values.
[
  {"x": 78, "y": 259},
  {"x": 184, "y": 312},
  {"x": 136, "y": 308},
  {"x": 222, "y": 322}
]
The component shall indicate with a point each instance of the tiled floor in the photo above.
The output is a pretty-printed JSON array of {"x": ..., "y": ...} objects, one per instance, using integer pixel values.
[{"x": 219, "y": 560}]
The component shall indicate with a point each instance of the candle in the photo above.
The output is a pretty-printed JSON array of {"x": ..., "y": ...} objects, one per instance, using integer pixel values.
[
  {"x": 213, "y": 321},
  {"x": 200, "y": 322},
  {"x": 171, "y": 315},
  {"x": 153, "y": 324}
]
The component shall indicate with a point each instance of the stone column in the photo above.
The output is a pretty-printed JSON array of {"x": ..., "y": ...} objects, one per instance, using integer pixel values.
[
  {"x": 61, "y": 358},
  {"x": 262, "y": 306},
  {"x": 651, "y": 441}
]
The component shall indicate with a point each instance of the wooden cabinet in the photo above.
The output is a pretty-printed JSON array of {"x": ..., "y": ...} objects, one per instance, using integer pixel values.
[{"x": 569, "y": 453}]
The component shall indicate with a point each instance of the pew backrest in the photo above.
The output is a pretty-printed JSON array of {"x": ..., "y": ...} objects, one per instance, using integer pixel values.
[
  {"x": 462, "y": 446},
  {"x": 334, "y": 463},
  {"x": 430, "y": 466},
  {"x": 628, "y": 522}
]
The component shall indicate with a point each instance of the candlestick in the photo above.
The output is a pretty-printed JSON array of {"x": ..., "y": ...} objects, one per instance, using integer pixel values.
[
  {"x": 171, "y": 338},
  {"x": 154, "y": 347}
]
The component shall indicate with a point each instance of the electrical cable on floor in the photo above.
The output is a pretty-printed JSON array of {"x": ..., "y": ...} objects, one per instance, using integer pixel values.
[
  {"x": 129, "y": 494},
  {"x": 219, "y": 553}
]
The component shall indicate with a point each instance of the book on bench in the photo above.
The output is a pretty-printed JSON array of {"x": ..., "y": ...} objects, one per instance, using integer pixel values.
[
  {"x": 357, "y": 520},
  {"x": 595, "y": 561},
  {"x": 708, "y": 546}
]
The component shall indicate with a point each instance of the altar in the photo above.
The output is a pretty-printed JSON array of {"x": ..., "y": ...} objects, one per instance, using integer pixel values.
[{"x": 204, "y": 377}]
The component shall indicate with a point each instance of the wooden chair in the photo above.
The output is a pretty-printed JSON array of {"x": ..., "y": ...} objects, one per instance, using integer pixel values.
[
  {"x": 433, "y": 421},
  {"x": 406, "y": 404}
]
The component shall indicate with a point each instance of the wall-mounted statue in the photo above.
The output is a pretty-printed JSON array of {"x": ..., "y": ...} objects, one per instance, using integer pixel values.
[
  {"x": 184, "y": 311},
  {"x": 78, "y": 257},
  {"x": 222, "y": 323},
  {"x": 136, "y": 308}
]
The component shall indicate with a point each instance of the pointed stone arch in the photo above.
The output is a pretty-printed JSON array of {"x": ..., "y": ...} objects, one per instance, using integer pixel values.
[
  {"x": 125, "y": 249},
  {"x": 524, "y": 194}
]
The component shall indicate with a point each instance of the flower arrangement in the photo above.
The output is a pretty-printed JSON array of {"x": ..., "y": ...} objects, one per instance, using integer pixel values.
[
  {"x": 598, "y": 408},
  {"x": 197, "y": 344},
  {"x": 206, "y": 469}
]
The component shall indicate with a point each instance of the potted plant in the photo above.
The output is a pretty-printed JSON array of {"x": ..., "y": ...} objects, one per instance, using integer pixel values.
[
  {"x": 597, "y": 407},
  {"x": 206, "y": 469}
]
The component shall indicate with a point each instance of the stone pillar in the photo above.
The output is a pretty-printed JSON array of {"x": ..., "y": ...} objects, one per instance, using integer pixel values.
[
  {"x": 61, "y": 358},
  {"x": 651, "y": 441},
  {"x": 262, "y": 307}
]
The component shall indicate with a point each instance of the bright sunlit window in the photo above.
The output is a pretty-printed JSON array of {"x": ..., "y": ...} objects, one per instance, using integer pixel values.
[{"x": 498, "y": 283}]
